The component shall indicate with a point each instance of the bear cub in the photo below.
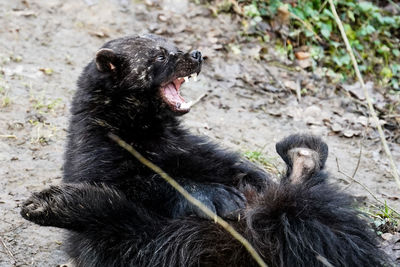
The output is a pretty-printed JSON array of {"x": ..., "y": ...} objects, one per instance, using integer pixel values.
[{"x": 120, "y": 213}]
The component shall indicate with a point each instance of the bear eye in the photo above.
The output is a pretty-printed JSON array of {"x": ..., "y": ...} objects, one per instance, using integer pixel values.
[{"x": 161, "y": 58}]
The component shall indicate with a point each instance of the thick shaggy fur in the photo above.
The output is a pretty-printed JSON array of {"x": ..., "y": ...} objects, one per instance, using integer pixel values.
[
  {"x": 120, "y": 213},
  {"x": 126, "y": 101},
  {"x": 304, "y": 224}
]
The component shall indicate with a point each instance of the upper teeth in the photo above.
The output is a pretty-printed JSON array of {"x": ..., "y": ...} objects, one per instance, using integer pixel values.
[{"x": 187, "y": 78}]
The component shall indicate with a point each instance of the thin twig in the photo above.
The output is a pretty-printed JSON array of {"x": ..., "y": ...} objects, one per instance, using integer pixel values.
[
  {"x": 191, "y": 199},
  {"x": 358, "y": 162},
  {"x": 11, "y": 136},
  {"x": 352, "y": 179},
  {"x": 355, "y": 169},
  {"x": 298, "y": 90},
  {"x": 368, "y": 98},
  {"x": 7, "y": 250},
  {"x": 391, "y": 116}
]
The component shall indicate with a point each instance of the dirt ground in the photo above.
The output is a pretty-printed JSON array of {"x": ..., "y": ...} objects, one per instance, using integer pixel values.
[{"x": 45, "y": 44}]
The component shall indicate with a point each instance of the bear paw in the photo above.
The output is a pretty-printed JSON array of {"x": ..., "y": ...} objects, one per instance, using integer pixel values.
[{"x": 303, "y": 155}]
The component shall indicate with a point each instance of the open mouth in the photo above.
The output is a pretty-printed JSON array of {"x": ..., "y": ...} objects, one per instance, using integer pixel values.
[{"x": 170, "y": 93}]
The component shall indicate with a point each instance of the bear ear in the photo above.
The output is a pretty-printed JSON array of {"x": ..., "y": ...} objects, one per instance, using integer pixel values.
[{"x": 106, "y": 60}]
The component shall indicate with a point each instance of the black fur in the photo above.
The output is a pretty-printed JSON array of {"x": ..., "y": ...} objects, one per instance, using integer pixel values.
[
  {"x": 120, "y": 213},
  {"x": 289, "y": 225},
  {"x": 126, "y": 101}
]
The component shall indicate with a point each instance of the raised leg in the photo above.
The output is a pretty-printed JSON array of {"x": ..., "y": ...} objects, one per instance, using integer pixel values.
[{"x": 304, "y": 155}]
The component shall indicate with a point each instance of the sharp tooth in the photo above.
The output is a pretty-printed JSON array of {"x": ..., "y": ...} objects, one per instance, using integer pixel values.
[
  {"x": 195, "y": 77},
  {"x": 186, "y": 105},
  {"x": 186, "y": 79}
]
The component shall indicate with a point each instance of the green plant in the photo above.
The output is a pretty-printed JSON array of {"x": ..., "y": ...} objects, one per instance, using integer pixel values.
[
  {"x": 384, "y": 219},
  {"x": 265, "y": 162},
  {"x": 373, "y": 33},
  {"x": 5, "y": 101},
  {"x": 44, "y": 104}
]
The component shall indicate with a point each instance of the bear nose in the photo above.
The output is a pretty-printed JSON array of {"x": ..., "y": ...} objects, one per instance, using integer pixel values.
[{"x": 196, "y": 55}]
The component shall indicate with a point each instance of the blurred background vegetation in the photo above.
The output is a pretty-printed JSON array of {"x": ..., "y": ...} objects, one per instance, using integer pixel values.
[{"x": 305, "y": 32}]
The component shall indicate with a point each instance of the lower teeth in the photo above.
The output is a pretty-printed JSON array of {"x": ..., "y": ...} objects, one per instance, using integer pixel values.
[{"x": 186, "y": 105}]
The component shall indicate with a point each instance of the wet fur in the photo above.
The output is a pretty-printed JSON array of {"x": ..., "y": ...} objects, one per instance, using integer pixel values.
[{"x": 122, "y": 214}]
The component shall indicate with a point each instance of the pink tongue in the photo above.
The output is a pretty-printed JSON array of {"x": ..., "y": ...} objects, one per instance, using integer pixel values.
[{"x": 172, "y": 94}]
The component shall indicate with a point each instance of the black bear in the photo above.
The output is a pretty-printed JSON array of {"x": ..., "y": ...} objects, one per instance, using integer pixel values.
[
  {"x": 132, "y": 89},
  {"x": 120, "y": 213}
]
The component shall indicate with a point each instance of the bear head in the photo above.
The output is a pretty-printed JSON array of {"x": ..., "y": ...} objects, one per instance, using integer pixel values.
[{"x": 146, "y": 70}]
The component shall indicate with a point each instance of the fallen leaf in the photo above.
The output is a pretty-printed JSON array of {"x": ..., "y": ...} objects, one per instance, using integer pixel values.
[
  {"x": 348, "y": 133},
  {"x": 363, "y": 120},
  {"x": 336, "y": 127},
  {"x": 357, "y": 91},
  {"x": 283, "y": 15},
  {"x": 275, "y": 113},
  {"x": 387, "y": 236},
  {"x": 304, "y": 63},
  {"x": 163, "y": 17},
  {"x": 100, "y": 34},
  {"x": 302, "y": 55},
  {"x": 312, "y": 115},
  {"x": 290, "y": 84}
]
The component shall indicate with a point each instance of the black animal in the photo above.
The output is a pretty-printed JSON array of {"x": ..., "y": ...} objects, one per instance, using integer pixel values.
[
  {"x": 122, "y": 214},
  {"x": 132, "y": 89}
]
